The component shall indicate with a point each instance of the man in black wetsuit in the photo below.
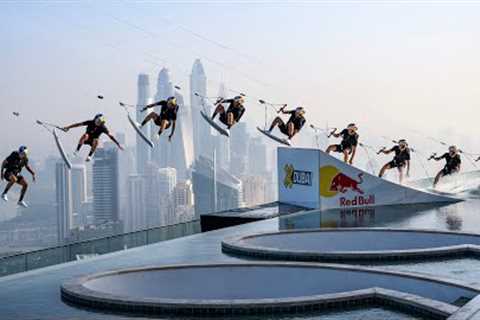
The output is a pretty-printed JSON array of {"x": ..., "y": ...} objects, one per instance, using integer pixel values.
[
  {"x": 167, "y": 116},
  {"x": 293, "y": 125},
  {"x": 453, "y": 162},
  {"x": 95, "y": 128},
  {"x": 400, "y": 160},
  {"x": 11, "y": 171},
  {"x": 234, "y": 112},
  {"x": 349, "y": 143}
]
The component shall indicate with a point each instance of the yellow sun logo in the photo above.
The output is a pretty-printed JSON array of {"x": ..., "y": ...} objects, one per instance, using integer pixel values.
[{"x": 288, "y": 180}]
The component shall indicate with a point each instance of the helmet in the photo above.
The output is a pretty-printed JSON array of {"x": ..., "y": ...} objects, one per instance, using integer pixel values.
[
  {"x": 239, "y": 99},
  {"x": 300, "y": 110},
  {"x": 99, "y": 119},
  {"x": 403, "y": 142},
  {"x": 452, "y": 149},
  {"x": 352, "y": 126},
  {"x": 23, "y": 150},
  {"x": 172, "y": 100}
]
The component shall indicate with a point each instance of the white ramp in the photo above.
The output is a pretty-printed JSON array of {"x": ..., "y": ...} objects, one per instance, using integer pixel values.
[{"x": 314, "y": 179}]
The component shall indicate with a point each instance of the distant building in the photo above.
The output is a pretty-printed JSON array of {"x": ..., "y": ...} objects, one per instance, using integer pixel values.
[
  {"x": 79, "y": 187},
  {"x": 254, "y": 190},
  {"x": 257, "y": 150},
  {"x": 239, "y": 139},
  {"x": 202, "y": 134},
  {"x": 63, "y": 185},
  {"x": 143, "y": 98},
  {"x": 183, "y": 194},
  {"x": 106, "y": 191},
  {"x": 215, "y": 189},
  {"x": 168, "y": 181},
  {"x": 160, "y": 154},
  {"x": 222, "y": 144},
  {"x": 136, "y": 216}
]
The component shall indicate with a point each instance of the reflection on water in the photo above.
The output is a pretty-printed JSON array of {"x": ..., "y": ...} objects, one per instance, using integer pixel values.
[{"x": 463, "y": 216}]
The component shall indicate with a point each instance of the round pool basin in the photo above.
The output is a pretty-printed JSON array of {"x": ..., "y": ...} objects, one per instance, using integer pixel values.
[
  {"x": 353, "y": 244},
  {"x": 248, "y": 288}
]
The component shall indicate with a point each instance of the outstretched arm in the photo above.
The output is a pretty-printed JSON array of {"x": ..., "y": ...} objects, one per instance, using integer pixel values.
[
  {"x": 174, "y": 124},
  {"x": 75, "y": 125},
  {"x": 115, "y": 141},
  {"x": 29, "y": 169},
  {"x": 384, "y": 151},
  {"x": 152, "y": 105}
]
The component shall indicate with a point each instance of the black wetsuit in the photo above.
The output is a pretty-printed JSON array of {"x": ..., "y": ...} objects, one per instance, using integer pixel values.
[
  {"x": 94, "y": 132},
  {"x": 298, "y": 122},
  {"x": 237, "y": 109},
  {"x": 452, "y": 165},
  {"x": 14, "y": 165},
  {"x": 401, "y": 157},
  {"x": 348, "y": 141},
  {"x": 166, "y": 113}
]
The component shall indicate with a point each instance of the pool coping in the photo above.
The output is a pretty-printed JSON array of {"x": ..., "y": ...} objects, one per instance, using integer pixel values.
[
  {"x": 73, "y": 291},
  {"x": 237, "y": 246}
]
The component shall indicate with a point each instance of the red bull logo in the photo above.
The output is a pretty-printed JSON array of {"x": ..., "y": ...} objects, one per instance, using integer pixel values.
[
  {"x": 333, "y": 182},
  {"x": 342, "y": 183}
]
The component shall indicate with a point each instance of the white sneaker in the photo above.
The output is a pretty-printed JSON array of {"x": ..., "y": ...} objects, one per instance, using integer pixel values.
[
  {"x": 5, "y": 197},
  {"x": 22, "y": 204},
  {"x": 89, "y": 158}
]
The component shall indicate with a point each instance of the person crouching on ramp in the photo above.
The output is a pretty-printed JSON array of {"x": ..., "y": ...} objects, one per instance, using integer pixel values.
[
  {"x": 401, "y": 160},
  {"x": 349, "y": 143},
  {"x": 293, "y": 125},
  {"x": 453, "y": 163},
  {"x": 166, "y": 118},
  {"x": 234, "y": 112},
  {"x": 95, "y": 128},
  {"x": 11, "y": 171}
]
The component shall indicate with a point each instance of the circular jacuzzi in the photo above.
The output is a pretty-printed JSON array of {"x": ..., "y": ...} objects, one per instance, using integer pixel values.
[
  {"x": 257, "y": 288},
  {"x": 353, "y": 244}
]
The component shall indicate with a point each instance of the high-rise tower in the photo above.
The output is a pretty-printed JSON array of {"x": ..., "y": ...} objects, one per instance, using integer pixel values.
[{"x": 143, "y": 98}]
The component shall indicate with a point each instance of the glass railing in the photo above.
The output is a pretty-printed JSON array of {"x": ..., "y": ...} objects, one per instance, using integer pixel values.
[{"x": 85, "y": 249}]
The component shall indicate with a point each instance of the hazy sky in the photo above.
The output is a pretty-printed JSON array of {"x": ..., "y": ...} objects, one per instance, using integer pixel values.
[{"x": 391, "y": 67}]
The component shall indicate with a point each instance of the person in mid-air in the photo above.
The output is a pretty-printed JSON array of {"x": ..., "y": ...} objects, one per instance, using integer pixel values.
[
  {"x": 401, "y": 160},
  {"x": 234, "y": 112},
  {"x": 294, "y": 123},
  {"x": 95, "y": 128},
  {"x": 11, "y": 171},
  {"x": 349, "y": 143},
  {"x": 452, "y": 165},
  {"x": 166, "y": 118}
]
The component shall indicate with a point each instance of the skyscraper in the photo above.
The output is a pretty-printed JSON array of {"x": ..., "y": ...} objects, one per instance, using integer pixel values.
[
  {"x": 168, "y": 181},
  {"x": 79, "y": 187},
  {"x": 257, "y": 164},
  {"x": 183, "y": 201},
  {"x": 136, "y": 216},
  {"x": 215, "y": 189},
  {"x": 254, "y": 190},
  {"x": 106, "y": 193},
  {"x": 239, "y": 139},
  {"x": 162, "y": 150},
  {"x": 222, "y": 144},
  {"x": 63, "y": 185},
  {"x": 202, "y": 134},
  {"x": 143, "y": 98}
]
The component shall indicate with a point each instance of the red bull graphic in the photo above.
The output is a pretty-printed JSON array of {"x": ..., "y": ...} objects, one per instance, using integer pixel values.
[
  {"x": 342, "y": 183},
  {"x": 333, "y": 182}
]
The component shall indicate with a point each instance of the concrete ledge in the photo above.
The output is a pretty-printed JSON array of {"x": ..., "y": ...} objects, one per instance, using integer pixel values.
[
  {"x": 470, "y": 311},
  {"x": 87, "y": 292},
  {"x": 367, "y": 243}
]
